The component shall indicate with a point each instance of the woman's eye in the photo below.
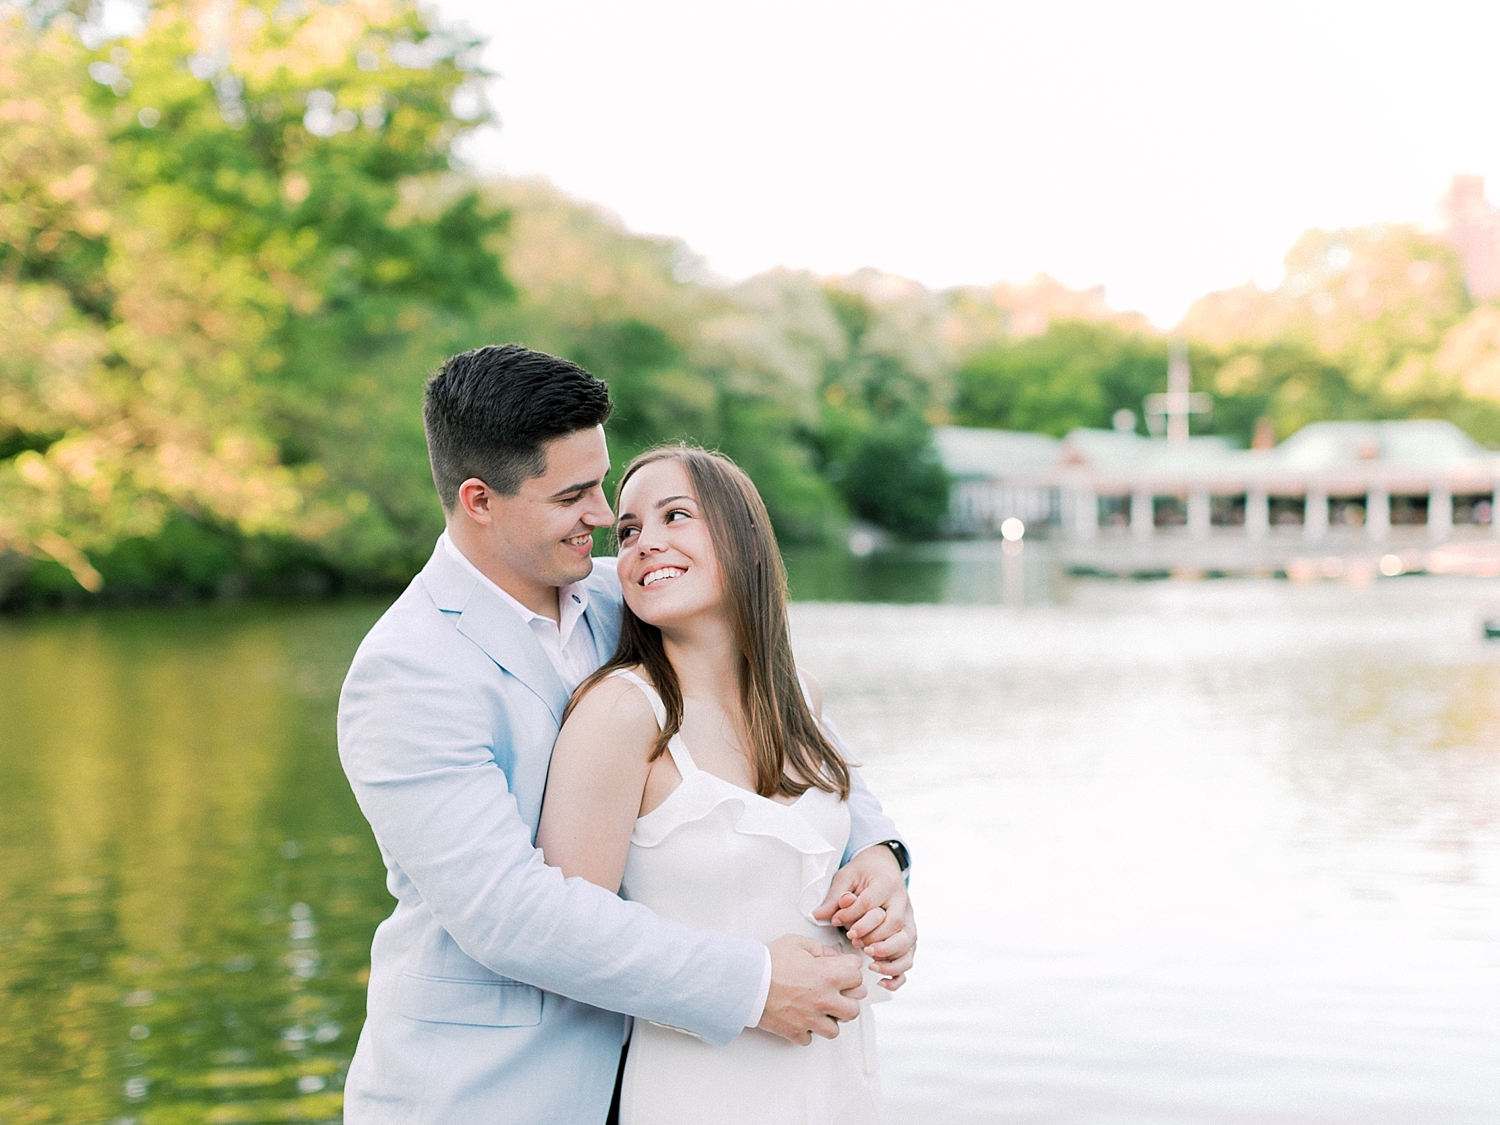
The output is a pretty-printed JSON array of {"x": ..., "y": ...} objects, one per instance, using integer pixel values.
[
  {"x": 674, "y": 513},
  {"x": 625, "y": 533}
]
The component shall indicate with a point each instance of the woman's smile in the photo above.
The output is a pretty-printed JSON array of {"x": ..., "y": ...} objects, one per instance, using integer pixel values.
[{"x": 657, "y": 575}]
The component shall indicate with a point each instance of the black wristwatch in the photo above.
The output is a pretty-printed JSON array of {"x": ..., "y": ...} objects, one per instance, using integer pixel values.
[{"x": 898, "y": 849}]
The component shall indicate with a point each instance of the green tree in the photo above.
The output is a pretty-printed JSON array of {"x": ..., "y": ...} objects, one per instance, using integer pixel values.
[
  {"x": 1076, "y": 374},
  {"x": 657, "y": 395},
  {"x": 874, "y": 439},
  {"x": 895, "y": 478},
  {"x": 1287, "y": 384},
  {"x": 215, "y": 230}
]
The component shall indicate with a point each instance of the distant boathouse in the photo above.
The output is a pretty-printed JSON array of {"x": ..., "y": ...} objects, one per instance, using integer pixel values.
[{"x": 1332, "y": 487}]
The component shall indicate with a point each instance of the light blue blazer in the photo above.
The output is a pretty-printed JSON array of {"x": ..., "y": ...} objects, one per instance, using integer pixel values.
[{"x": 496, "y": 984}]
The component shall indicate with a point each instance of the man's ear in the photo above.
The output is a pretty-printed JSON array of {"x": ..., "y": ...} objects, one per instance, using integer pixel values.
[{"x": 474, "y": 500}]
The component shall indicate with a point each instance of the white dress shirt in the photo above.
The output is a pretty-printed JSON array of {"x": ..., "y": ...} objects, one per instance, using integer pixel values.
[{"x": 569, "y": 645}]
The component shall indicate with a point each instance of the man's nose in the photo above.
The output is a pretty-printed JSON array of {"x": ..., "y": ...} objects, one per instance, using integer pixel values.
[{"x": 598, "y": 513}]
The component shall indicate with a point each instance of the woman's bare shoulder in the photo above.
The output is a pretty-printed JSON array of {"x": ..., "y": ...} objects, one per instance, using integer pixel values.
[{"x": 616, "y": 700}]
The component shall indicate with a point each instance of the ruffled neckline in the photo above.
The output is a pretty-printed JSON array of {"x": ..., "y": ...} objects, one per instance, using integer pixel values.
[{"x": 702, "y": 794}]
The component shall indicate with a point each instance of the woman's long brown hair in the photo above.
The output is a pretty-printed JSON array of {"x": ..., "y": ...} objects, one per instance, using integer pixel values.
[{"x": 790, "y": 751}]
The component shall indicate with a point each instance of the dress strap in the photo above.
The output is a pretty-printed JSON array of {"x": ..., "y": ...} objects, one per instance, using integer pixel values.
[
  {"x": 658, "y": 708},
  {"x": 807, "y": 695},
  {"x": 676, "y": 747}
]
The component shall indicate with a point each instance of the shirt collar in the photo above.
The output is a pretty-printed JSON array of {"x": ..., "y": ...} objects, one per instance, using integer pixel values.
[{"x": 572, "y": 600}]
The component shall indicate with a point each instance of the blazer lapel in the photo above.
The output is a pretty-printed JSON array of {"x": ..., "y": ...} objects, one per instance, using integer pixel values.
[
  {"x": 495, "y": 628},
  {"x": 510, "y": 643}
]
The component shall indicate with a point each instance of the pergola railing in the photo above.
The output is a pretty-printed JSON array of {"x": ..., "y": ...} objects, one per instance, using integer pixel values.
[
  {"x": 1316, "y": 506},
  {"x": 1342, "y": 504}
]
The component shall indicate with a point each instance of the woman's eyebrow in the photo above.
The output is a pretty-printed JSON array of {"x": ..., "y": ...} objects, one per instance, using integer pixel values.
[{"x": 660, "y": 504}]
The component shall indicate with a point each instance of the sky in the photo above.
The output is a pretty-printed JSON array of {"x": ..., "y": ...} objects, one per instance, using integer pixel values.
[{"x": 1163, "y": 150}]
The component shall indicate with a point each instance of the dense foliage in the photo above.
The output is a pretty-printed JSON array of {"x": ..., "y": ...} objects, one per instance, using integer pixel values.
[
  {"x": 203, "y": 247},
  {"x": 1370, "y": 323},
  {"x": 1079, "y": 374},
  {"x": 1074, "y": 374},
  {"x": 234, "y": 243},
  {"x": 874, "y": 438}
]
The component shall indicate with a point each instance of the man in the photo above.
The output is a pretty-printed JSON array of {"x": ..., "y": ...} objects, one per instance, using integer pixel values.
[{"x": 496, "y": 985}]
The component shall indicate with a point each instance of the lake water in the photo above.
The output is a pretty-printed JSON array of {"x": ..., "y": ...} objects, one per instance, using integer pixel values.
[{"x": 1200, "y": 852}]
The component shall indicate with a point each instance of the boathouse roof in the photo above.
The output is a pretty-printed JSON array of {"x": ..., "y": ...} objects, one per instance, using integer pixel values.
[
  {"x": 975, "y": 454},
  {"x": 1419, "y": 443},
  {"x": 1342, "y": 454},
  {"x": 1113, "y": 450}
]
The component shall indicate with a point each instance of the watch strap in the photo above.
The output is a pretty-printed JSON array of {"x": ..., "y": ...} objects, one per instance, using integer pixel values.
[{"x": 898, "y": 849}]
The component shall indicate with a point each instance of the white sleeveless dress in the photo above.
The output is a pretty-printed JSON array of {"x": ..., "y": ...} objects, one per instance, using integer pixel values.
[{"x": 721, "y": 857}]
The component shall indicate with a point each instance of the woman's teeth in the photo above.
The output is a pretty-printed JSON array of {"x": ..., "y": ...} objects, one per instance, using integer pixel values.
[{"x": 662, "y": 575}]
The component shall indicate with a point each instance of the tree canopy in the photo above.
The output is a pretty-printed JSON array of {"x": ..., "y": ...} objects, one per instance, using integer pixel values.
[
  {"x": 234, "y": 244},
  {"x": 205, "y": 236}
]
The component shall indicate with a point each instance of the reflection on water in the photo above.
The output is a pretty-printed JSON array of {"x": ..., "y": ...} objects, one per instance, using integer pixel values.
[
  {"x": 1199, "y": 852},
  {"x": 187, "y": 893},
  {"x": 984, "y": 572}
]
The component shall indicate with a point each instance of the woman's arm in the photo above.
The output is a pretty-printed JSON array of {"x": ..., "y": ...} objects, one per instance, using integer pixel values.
[{"x": 595, "y": 782}]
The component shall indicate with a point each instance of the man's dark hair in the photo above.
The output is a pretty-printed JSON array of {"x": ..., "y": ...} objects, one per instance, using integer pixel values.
[{"x": 488, "y": 413}]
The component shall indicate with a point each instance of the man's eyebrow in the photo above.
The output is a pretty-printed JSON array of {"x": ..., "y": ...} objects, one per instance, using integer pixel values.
[{"x": 584, "y": 487}]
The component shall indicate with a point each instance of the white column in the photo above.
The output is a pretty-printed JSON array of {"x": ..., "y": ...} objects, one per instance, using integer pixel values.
[
  {"x": 1199, "y": 514},
  {"x": 1257, "y": 513},
  {"x": 1142, "y": 519},
  {"x": 1012, "y": 574},
  {"x": 1440, "y": 513},
  {"x": 1315, "y": 515},
  {"x": 1085, "y": 513},
  {"x": 1377, "y": 514}
]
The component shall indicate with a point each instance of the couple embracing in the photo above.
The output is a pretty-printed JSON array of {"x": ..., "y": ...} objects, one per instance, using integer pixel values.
[{"x": 602, "y": 790}]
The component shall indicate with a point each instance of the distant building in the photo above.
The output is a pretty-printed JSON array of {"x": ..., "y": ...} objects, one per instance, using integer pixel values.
[
  {"x": 1473, "y": 227},
  {"x": 998, "y": 474},
  {"x": 1329, "y": 481}
]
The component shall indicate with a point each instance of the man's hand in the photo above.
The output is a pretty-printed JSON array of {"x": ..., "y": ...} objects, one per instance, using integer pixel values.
[
  {"x": 868, "y": 900},
  {"x": 812, "y": 988}
]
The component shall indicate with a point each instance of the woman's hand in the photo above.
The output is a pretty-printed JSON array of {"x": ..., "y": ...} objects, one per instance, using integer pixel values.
[{"x": 868, "y": 901}]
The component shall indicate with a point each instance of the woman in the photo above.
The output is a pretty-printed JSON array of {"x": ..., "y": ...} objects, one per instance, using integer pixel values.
[{"x": 693, "y": 775}]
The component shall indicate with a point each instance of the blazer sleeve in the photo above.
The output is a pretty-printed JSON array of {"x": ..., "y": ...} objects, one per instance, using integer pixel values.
[
  {"x": 417, "y": 748},
  {"x": 868, "y": 824}
]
